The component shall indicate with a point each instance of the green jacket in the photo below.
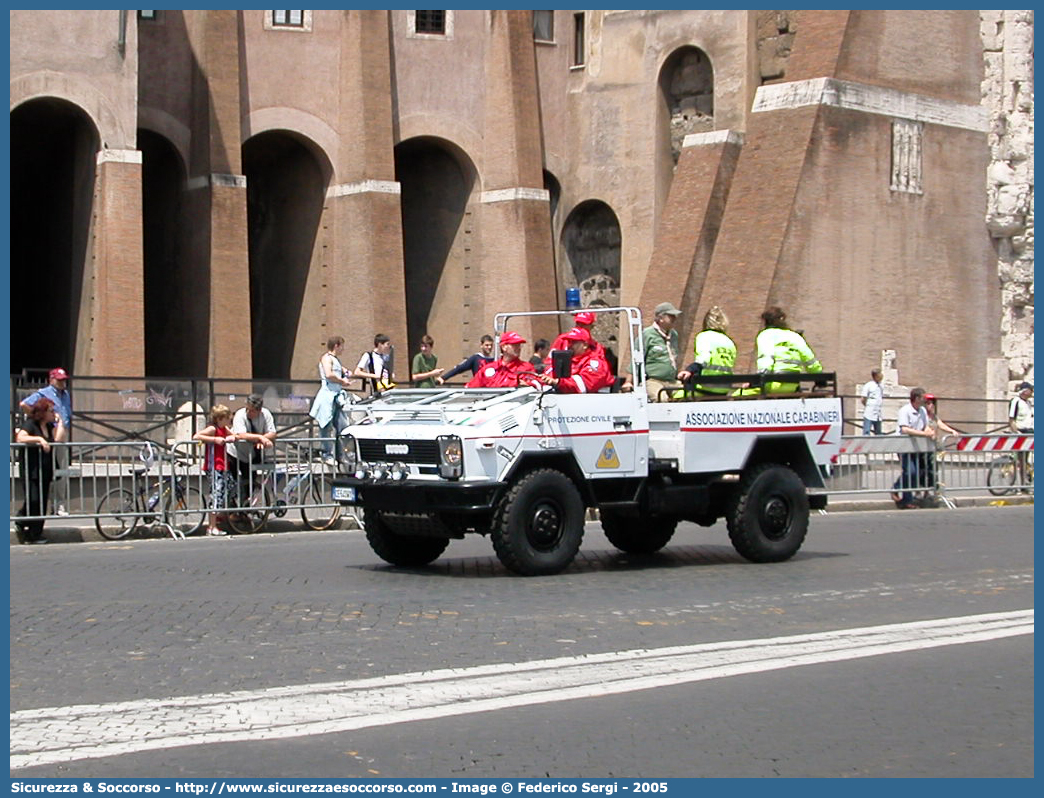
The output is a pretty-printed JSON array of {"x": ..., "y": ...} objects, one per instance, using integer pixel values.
[{"x": 660, "y": 364}]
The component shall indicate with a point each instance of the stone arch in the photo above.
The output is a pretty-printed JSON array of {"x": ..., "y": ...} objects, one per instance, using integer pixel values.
[
  {"x": 287, "y": 176},
  {"x": 591, "y": 247},
  {"x": 590, "y": 254},
  {"x": 54, "y": 144},
  {"x": 175, "y": 324},
  {"x": 438, "y": 180},
  {"x": 310, "y": 130},
  {"x": 112, "y": 131},
  {"x": 169, "y": 127},
  {"x": 686, "y": 96}
]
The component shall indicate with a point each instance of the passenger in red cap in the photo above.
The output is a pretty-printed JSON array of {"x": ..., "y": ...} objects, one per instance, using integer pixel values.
[
  {"x": 505, "y": 372},
  {"x": 584, "y": 320},
  {"x": 590, "y": 371}
]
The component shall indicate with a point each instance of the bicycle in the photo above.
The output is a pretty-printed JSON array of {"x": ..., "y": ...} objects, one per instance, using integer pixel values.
[
  {"x": 253, "y": 514},
  {"x": 314, "y": 492},
  {"x": 1003, "y": 474},
  {"x": 123, "y": 509}
]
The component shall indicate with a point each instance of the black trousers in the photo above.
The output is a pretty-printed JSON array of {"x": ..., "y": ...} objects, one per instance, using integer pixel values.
[{"x": 37, "y": 491}]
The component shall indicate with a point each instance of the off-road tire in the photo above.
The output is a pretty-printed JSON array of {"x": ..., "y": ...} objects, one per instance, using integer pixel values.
[
  {"x": 538, "y": 524},
  {"x": 638, "y": 536},
  {"x": 767, "y": 516},
  {"x": 405, "y": 550}
]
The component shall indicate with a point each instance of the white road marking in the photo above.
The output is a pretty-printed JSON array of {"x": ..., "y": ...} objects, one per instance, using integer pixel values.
[{"x": 62, "y": 734}]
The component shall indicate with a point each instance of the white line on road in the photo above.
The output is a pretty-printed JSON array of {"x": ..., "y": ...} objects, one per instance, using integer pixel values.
[{"x": 62, "y": 734}]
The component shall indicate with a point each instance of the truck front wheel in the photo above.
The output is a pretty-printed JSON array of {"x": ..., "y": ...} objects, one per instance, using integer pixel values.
[
  {"x": 538, "y": 525},
  {"x": 637, "y": 536},
  {"x": 406, "y": 550},
  {"x": 768, "y": 515}
]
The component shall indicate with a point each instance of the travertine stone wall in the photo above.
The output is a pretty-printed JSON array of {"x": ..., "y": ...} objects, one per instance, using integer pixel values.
[{"x": 1008, "y": 94}]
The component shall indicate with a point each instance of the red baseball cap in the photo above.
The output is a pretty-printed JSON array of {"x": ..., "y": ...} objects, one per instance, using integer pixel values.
[
  {"x": 578, "y": 334},
  {"x": 512, "y": 337},
  {"x": 584, "y": 317},
  {"x": 58, "y": 374},
  {"x": 929, "y": 397}
]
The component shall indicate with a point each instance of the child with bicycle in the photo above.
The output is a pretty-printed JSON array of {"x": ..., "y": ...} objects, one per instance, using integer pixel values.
[{"x": 215, "y": 463}]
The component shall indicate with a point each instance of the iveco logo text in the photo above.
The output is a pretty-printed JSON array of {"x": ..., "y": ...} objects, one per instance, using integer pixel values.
[{"x": 396, "y": 448}]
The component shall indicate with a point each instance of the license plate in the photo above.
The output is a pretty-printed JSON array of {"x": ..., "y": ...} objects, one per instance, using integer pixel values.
[{"x": 343, "y": 494}]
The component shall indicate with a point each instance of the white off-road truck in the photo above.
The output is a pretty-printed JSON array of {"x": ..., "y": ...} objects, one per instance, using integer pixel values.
[{"x": 521, "y": 465}]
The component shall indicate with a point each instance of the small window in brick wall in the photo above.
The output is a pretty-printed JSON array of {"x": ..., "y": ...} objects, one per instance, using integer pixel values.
[
  {"x": 544, "y": 25},
  {"x": 288, "y": 19},
  {"x": 431, "y": 22},
  {"x": 907, "y": 160}
]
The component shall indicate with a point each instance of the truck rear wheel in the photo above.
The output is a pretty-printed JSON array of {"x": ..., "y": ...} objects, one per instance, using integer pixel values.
[
  {"x": 407, "y": 550},
  {"x": 638, "y": 536},
  {"x": 538, "y": 525},
  {"x": 768, "y": 515}
]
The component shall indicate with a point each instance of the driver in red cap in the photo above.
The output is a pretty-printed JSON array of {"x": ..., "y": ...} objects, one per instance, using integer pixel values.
[
  {"x": 505, "y": 372},
  {"x": 590, "y": 371}
]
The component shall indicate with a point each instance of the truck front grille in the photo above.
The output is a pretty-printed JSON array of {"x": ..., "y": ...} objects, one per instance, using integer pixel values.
[{"x": 411, "y": 452}]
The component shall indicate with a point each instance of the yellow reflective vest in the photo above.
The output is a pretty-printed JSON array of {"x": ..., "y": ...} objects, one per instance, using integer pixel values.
[
  {"x": 782, "y": 350},
  {"x": 716, "y": 352}
]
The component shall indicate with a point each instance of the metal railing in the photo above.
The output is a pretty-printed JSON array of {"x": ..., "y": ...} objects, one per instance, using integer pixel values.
[
  {"x": 125, "y": 485},
  {"x": 993, "y": 465}
]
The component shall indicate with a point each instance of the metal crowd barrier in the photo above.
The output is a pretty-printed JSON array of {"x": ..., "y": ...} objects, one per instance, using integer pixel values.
[
  {"x": 124, "y": 485},
  {"x": 994, "y": 465}
]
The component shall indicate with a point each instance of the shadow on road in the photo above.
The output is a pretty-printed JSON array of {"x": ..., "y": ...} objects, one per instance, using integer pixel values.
[{"x": 592, "y": 561}]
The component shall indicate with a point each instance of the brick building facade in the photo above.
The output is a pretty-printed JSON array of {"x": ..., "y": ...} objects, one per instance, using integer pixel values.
[{"x": 217, "y": 192}]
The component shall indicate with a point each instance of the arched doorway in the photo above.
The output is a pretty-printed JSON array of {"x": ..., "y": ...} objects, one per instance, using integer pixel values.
[
  {"x": 591, "y": 261},
  {"x": 53, "y": 146},
  {"x": 437, "y": 179},
  {"x": 286, "y": 190},
  {"x": 685, "y": 105},
  {"x": 686, "y": 96},
  {"x": 175, "y": 316}
]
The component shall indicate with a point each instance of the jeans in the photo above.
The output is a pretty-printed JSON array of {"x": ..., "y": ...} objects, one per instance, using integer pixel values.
[
  {"x": 914, "y": 472},
  {"x": 871, "y": 427}
]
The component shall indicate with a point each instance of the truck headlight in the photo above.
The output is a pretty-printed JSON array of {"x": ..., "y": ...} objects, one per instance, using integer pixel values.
[
  {"x": 451, "y": 456},
  {"x": 399, "y": 472},
  {"x": 349, "y": 452}
]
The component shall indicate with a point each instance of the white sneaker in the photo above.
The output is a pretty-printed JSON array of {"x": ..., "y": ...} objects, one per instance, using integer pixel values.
[
  {"x": 62, "y": 510},
  {"x": 215, "y": 532}
]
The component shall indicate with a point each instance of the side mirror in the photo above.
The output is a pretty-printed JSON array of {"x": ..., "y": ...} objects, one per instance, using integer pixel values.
[{"x": 561, "y": 363}]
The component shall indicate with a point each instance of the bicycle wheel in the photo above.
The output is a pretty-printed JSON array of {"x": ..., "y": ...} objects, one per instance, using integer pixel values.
[
  {"x": 254, "y": 518},
  {"x": 189, "y": 513},
  {"x": 323, "y": 511},
  {"x": 1001, "y": 477},
  {"x": 121, "y": 514}
]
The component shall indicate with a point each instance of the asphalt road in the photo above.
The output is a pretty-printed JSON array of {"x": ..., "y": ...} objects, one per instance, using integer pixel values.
[{"x": 729, "y": 672}]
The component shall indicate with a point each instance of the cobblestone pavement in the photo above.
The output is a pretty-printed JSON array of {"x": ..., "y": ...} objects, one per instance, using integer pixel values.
[{"x": 101, "y": 623}]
